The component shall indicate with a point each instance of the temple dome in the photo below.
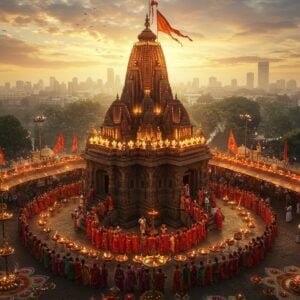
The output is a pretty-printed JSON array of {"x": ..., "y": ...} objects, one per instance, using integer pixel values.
[
  {"x": 147, "y": 34},
  {"x": 146, "y": 107}
]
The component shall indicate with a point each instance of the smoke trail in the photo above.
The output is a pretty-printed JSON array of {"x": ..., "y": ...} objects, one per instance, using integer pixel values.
[{"x": 219, "y": 129}]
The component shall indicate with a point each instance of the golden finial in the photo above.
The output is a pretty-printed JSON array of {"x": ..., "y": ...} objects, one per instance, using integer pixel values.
[{"x": 147, "y": 22}]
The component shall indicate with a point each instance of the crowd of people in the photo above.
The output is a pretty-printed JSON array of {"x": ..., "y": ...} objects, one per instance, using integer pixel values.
[{"x": 198, "y": 272}]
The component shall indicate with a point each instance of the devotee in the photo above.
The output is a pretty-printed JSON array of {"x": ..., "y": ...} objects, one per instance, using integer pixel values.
[
  {"x": 186, "y": 283},
  {"x": 130, "y": 279},
  {"x": 201, "y": 274},
  {"x": 85, "y": 273},
  {"x": 218, "y": 219},
  {"x": 110, "y": 204},
  {"x": 159, "y": 280},
  {"x": 193, "y": 274},
  {"x": 146, "y": 280},
  {"x": 143, "y": 224},
  {"x": 104, "y": 276},
  {"x": 95, "y": 280},
  {"x": 177, "y": 280},
  {"x": 119, "y": 277},
  {"x": 288, "y": 215}
]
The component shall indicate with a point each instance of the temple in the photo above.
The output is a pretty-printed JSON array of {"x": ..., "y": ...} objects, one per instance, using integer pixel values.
[{"x": 146, "y": 148}]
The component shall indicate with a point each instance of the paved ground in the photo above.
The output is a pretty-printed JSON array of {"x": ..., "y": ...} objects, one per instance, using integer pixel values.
[{"x": 285, "y": 252}]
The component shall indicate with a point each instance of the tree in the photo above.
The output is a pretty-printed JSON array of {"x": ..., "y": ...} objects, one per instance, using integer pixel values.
[
  {"x": 14, "y": 138},
  {"x": 76, "y": 118},
  {"x": 293, "y": 140},
  {"x": 218, "y": 118}
]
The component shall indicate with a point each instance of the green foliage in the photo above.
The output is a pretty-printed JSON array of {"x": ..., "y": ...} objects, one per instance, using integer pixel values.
[
  {"x": 226, "y": 115},
  {"x": 293, "y": 139},
  {"x": 14, "y": 138},
  {"x": 76, "y": 118}
]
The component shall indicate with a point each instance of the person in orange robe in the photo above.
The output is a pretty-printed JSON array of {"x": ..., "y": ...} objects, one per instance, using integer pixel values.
[
  {"x": 218, "y": 218},
  {"x": 144, "y": 244},
  {"x": 115, "y": 245},
  {"x": 110, "y": 203},
  {"x": 122, "y": 243},
  {"x": 195, "y": 237},
  {"x": 104, "y": 240},
  {"x": 135, "y": 243},
  {"x": 177, "y": 242},
  {"x": 110, "y": 234},
  {"x": 165, "y": 243},
  {"x": 88, "y": 227},
  {"x": 177, "y": 280},
  {"x": 98, "y": 234},
  {"x": 151, "y": 245},
  {"x": 208, "y": 273},
  {"x": 128, "y": 243}
]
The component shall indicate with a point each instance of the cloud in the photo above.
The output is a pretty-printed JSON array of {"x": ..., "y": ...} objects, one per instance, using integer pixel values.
[
  {"x": 19, "y": 53},
  {"x": 268, "y": 27},
  {"x": 243, "y": 60}
]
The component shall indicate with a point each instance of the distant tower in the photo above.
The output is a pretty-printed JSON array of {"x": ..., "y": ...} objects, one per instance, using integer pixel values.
[
  {"x": 212, "y": 82},
  {"x": 110, "y": 83},
  {"x": 263, "y": 75},
  {"x": 195, "y": 84},
  {"x": 234, "y": 83},
  {"x": 250, "y": 81}
]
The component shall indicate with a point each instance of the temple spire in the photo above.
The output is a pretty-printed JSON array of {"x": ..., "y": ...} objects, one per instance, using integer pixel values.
[{"x": 147, "y": 22}]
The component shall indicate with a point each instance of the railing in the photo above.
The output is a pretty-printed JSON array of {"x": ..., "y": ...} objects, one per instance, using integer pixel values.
[{"x": 265, "y": 165}]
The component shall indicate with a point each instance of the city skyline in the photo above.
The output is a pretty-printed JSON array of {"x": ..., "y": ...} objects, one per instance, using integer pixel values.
[{"x": 63, "y": 38}]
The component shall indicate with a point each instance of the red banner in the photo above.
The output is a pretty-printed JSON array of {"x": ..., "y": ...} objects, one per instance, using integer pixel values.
[
  {"x": 232, "y": 145},
  {"x": 60, "y": 144},
  {"x": 74, "y": 147},
  {"x": 2, "y": 157}
]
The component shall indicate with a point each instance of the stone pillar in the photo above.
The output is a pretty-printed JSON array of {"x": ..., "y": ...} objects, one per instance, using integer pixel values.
[
  {"x": 127, "y": 208},
  {"x": 173, "y": 203}
]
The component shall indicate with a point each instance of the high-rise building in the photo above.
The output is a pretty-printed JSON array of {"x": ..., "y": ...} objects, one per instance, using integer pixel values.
[
  {"x": 110, "y": 83},
  {"x": 280, "y": 84},
  {"x": 52, "y": 81},
  {"x": 7, "y": 86},
  {"x": 291, "y": 85},
  {"x": 212, "y": 82},
  {"x": 195, "y": 84},
  {"x": 118, "y": 84},
  {"x": 234, "y": 83},
  {"x": 263, "y": 75},
  {"x": 250, "y": 81},
  {"x": 20, "y": 85}
]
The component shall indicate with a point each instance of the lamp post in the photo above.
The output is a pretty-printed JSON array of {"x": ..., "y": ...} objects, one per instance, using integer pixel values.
[
  {"x": 39, "y": 120},
  {"x": 247, "y": 118}
]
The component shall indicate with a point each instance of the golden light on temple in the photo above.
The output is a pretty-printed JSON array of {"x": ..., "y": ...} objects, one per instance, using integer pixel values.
[
  {"x": 157, "y": 110},
  {"x": 137, "y": 110}
]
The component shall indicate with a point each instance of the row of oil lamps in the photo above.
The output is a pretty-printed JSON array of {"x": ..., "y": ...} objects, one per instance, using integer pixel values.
[
  {"x": 38, "y": 166},
  {"x": 142, "y": 144},
  {"x": 258, "y": 166}
]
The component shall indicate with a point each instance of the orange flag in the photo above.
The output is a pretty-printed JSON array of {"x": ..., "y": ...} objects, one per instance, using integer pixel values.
[
  {"x": 163, "y": 25},
  {"x": 285, "y": 152},
  {"x": 232, "y": 145},
  {"x": 60, "y": 144},
  {"x": 74, "y": 147},
  {"x": 2, "y": 157}
]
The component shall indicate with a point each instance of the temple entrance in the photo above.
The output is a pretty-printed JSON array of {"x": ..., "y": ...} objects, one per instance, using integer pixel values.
[
  {"x": 187, "y": 178},
  {"x": 102, "y": 182}
]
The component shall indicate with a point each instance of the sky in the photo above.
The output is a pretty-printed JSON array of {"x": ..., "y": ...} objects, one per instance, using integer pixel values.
[{"x": 82, "y": 38}]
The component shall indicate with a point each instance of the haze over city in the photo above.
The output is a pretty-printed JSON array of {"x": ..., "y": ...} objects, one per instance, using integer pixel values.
[{"x": 64, "y": 39}]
